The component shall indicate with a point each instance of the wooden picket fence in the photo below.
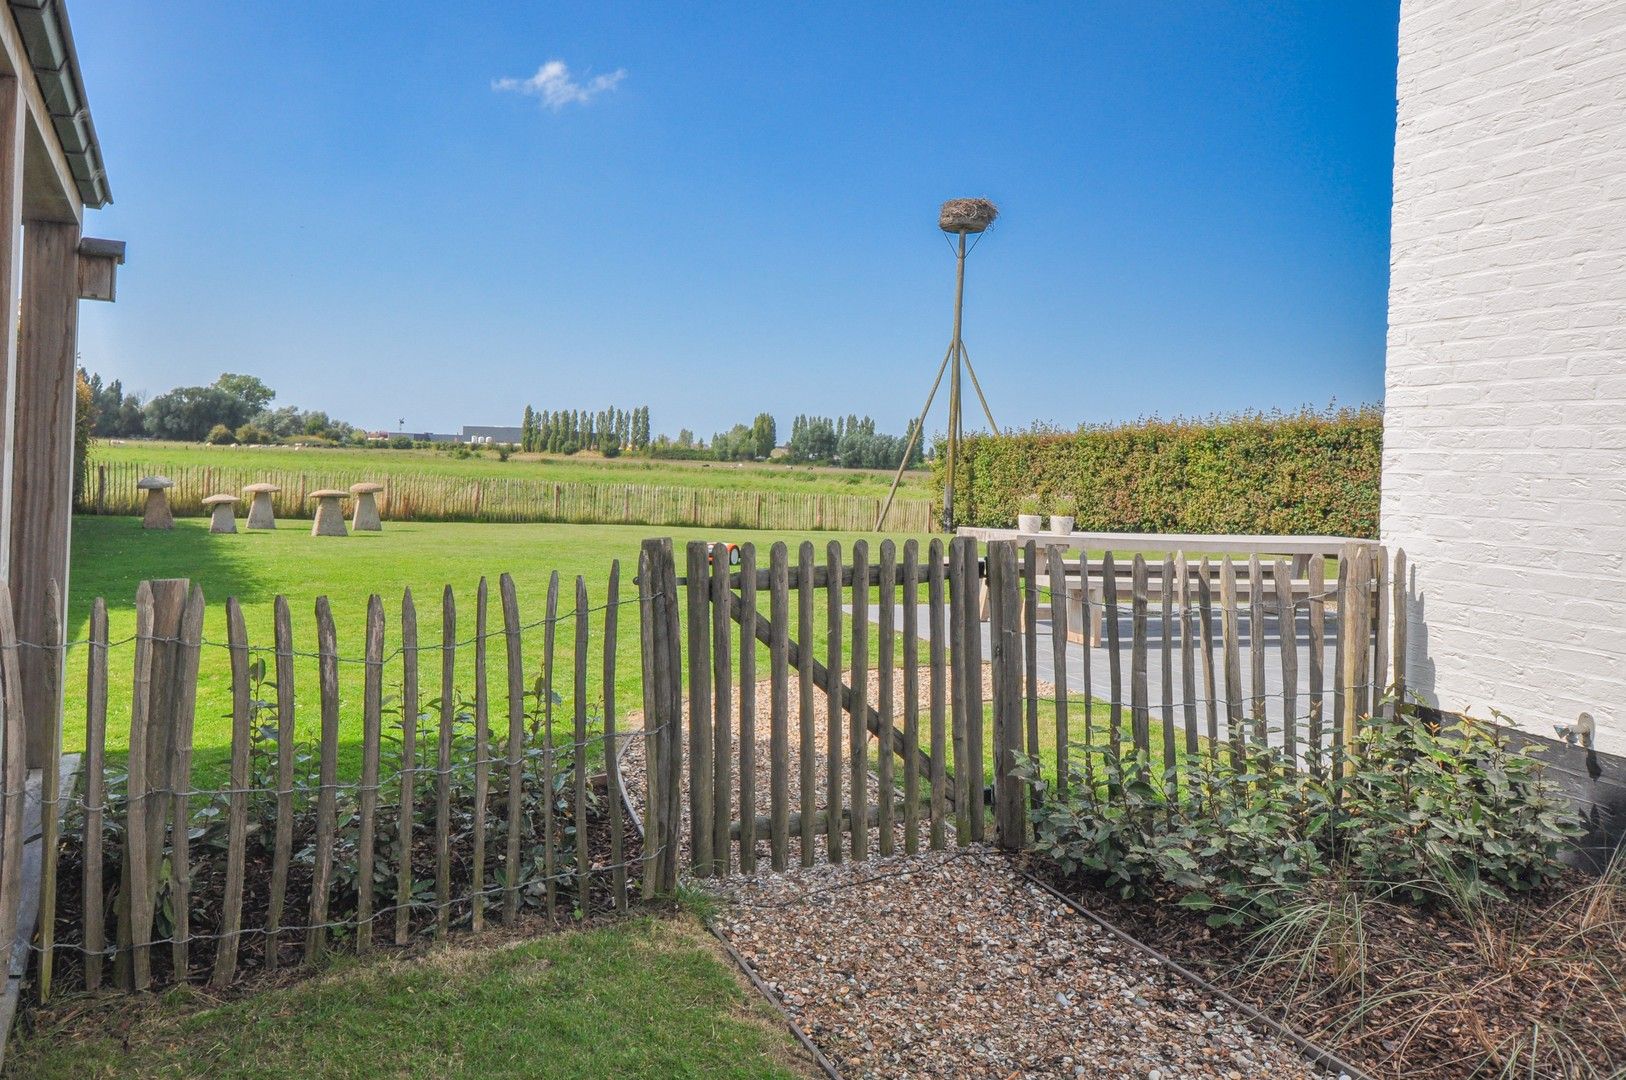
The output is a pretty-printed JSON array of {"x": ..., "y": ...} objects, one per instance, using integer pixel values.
[
  {"x": 905, "y": 727},
  {"x": 111, "y": 489},
  {"x": 447, "y": 817},
  {"x": 908, "y": 750}
]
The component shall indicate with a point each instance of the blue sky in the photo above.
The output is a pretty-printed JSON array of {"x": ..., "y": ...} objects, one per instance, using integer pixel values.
[{"x": 717, "y": 211}]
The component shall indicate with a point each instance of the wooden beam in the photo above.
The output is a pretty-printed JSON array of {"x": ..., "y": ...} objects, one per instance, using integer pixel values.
[
  {"x": 52, "y": 193},
  {"x": 42, "y": 463},
  {"x": 13, "y": 115}
]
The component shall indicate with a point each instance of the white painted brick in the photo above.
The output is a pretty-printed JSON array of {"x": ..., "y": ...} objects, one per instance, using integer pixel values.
[{"x": 1505, "y": 408}]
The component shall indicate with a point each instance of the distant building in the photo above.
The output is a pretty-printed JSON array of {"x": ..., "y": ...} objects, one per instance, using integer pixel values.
[{"x": 481, "y": 434}]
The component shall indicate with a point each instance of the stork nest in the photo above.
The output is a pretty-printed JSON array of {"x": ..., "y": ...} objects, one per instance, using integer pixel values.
[{"x": 966, "y": 215}]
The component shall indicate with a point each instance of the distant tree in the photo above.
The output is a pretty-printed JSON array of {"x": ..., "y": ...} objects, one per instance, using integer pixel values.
[
  {"x": 220, "y": 435},
  {"x": 254, "y": 394},
  {"x": 84, "y": 423},
  {"x": 764, "y": 436}
]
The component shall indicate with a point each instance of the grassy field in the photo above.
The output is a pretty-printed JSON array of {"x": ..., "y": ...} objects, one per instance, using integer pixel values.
[
  {"x": 577, "y": 468},
  {"x": 644, "y": 997},
  {"x": 111, "y": 556}
]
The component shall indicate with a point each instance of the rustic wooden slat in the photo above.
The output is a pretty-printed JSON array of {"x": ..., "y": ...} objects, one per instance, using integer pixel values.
[
  {"x": 1340, "y": 671},
  {"x": 1166, "y": 655},
  {"x": 885, "y": 638},
  {"x": 911, "y": 697},
  {"x": 514, "y": 819},
  {"x": 443, "y": 762},
  {"x": 612, "y": 747},
  {"x": 958, "y": 691},
  {"x": 747, "y": 601},
  {"x": 1317, "y": 632},
  {"x": 1188, "y": 653},
  {"x": 372, "y": 721},
  {"x": 1005, "y": 637},
  {"x": 1205, "y": 615},
  {"x": 51, "y": 810},
  {"x": 938, "y": 778},
  {"x": 327, "y": 649},
  {"x": 973, "y": 694},
  {"x": 579, "y": 752},
  {"x": 1256, "y": 650},
  {"x": 858, "y": 714},
  {"x": 550, "y": 829},
  {"x": 700, "y": 745},
  {"x": 1139, "y": 700},
  {"x": 1357, "y": 681},
  {"x": 409, "y": 768},
  {"x": 482, "y": 759},
  {"x": 1233, "y": 659},
  {"x": 807, "y": 731},
  {"x": 1057, "y": 571},
  {"x": 283, "y": 841},
  {"x": 15, "y": 784},
  {"x": 651, "y": 668},
  {"x": 1287, "y": 632},
  {"x": 1115, "y": 716},
  {"x": 1085, "y": 622},
  {"x": 833, "y": 715},
  {"x": 135, "y": 906},
  {"x": 778, "y": 706},
  {"x": 1399, "y": 615},
  {"x": 231, "y": 918},
  {"x": 1379, "y": 605},
  {"x": 722, "y": 711},
  {"x": 95, "y": 794},
  {"x": 1030, "y": 647}
]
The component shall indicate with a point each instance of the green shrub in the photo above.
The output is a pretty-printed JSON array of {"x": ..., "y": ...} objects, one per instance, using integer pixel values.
[
  {"x": 220, "y": 435},
  {"x": 1421, "y": 806},
  {"x": 1310, "y": 472}
]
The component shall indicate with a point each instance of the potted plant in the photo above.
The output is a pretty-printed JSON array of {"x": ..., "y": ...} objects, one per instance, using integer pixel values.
[
  {"x": 1030, "y": 514},
  {"x": 1063, "y": 510}
]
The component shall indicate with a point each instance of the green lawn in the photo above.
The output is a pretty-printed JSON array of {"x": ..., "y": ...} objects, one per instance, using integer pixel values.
[
  {"x": 111, "y": 556},
  {"x": 643, "y": 997},
  {"x": 577, "y": 468}
]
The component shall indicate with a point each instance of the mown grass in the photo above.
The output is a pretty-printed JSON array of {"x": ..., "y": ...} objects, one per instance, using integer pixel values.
[
  {"x": 553, "y": 468},
  {"x": 643, "y": 997},
  {"x": 111, "y": 556}
]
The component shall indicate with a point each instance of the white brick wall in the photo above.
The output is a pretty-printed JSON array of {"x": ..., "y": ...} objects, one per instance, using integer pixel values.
[{"x": 1504, "y": 473}]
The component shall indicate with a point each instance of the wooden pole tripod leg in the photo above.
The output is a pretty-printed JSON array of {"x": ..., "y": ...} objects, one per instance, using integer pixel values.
[
  {"x": 914, "y": 436},
  {"x": 986, "y": 411}
]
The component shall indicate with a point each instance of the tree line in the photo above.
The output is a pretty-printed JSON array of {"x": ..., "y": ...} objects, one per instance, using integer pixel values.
[
  {"x": 608, "y": 431},
  {"x": 232, "y": 409}
]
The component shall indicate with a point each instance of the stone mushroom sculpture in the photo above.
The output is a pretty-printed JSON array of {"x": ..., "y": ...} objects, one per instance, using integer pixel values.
[
  {"x": 260, "y": 513},
  {"x": 157, "y": 515},
  {"x": 222, "y": 519},
  {"x": 329, "y": 514},
  {"x": 364, "y": 514}
]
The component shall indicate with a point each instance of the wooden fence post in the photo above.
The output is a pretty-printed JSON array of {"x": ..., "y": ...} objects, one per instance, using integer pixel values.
[{"x": 1005, "y": 652}]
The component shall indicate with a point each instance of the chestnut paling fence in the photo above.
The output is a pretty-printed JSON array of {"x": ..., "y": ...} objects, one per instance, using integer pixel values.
[
  {"x": 110, "y": 488},
  {"x": 794, "y": 708}
]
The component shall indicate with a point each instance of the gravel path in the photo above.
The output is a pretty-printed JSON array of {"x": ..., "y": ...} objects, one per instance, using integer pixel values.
[{"x": 949, "y": 964}]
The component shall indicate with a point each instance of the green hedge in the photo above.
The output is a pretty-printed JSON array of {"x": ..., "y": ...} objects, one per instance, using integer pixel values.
[{"x": 1310, "y": 472}]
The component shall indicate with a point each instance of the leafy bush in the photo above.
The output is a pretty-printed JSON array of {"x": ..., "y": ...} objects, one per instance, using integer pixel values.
[
  {"x": 1421, "y": 805},
  {"x": 220, "y": 435},
  {"x": 1309, "y": 472}
]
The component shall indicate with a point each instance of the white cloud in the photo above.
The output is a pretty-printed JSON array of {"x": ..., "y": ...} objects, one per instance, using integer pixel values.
[{"x": 554, "y": 85}]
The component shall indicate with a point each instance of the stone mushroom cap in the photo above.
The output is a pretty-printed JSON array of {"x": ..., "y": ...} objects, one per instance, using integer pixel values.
[
  {"x": 216, "y": 500},
  {"x": 366, "y": 487},
  {"x": 154, "y": 483},
  {"x": 329, "y": 493},
  {"x": 255, "y": 489}
]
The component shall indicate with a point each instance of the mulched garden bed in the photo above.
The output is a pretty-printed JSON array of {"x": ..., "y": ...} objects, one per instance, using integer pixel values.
[{"x": 1443, "y": 998}]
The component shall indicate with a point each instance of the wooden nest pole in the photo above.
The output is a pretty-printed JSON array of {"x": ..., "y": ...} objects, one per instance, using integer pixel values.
[{"x": 958, "y": 218}]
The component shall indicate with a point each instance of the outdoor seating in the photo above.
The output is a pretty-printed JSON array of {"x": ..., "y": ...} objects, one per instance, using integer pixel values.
[
  {"x": 222, "y": 513},
  {"x": 261, "y": 515},
  {"x": 364, "y": 514},
  {"x": 329, "y": 514},
  {"x": 157, "y": 515}
]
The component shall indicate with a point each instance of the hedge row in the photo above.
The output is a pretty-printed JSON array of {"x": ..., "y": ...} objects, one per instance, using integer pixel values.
[{"x": 1310, "y": 473}]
